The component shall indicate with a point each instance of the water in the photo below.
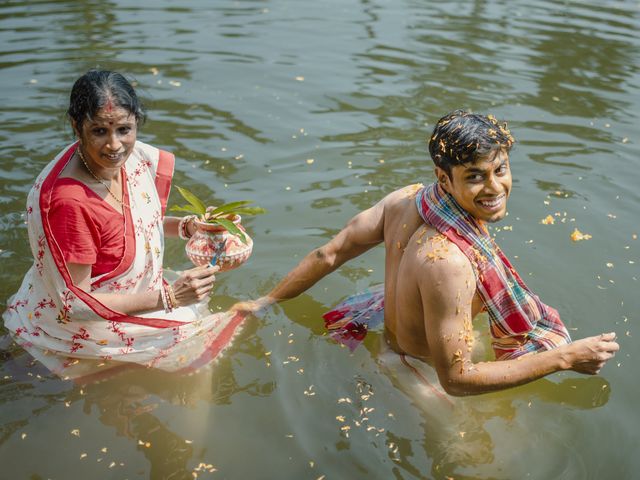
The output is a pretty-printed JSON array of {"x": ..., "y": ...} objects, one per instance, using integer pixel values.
[{"x": 246, "y": 93}]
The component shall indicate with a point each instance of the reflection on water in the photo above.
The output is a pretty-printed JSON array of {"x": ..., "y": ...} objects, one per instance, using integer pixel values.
[{"x": 316, "y": 110}]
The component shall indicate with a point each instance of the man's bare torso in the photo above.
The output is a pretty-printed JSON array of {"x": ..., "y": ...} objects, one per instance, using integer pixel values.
[{"x": 408, "y": 243}]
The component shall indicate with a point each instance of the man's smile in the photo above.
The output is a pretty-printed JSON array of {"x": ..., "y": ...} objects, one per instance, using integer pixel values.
[{"x": 494, "y": 203}]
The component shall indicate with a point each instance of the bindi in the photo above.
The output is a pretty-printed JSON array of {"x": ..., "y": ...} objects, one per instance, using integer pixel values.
[{"x": 109, "y": 106}]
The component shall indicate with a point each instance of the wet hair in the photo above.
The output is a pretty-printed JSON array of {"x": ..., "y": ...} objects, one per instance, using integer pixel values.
[
  {"x": 461, "y": 137},
  {"x": 93, "y": 90}
]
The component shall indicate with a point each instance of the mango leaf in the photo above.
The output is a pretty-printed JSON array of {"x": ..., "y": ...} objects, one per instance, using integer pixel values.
[
  {"x": 231, "y": 227},
  {"x": 198, "y": 206},
  {"x": 228, "y": 207},
  {"x": 249, "y": 210},
  {"x": 183, "y": 208}
]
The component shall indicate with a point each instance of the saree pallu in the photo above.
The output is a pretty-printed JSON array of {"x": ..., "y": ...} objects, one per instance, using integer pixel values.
[{"x": 68, "y": 329}]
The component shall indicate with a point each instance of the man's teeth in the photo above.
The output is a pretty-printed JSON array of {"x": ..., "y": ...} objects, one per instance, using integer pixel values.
[{"x": 491, "y": 203}]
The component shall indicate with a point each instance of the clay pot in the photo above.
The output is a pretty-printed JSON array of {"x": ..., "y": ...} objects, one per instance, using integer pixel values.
[{"x": 211, "y": 240}]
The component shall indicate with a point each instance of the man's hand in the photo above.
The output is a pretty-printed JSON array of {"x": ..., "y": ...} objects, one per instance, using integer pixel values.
[
  {"x": 588, "y": 355},
  {"x": 253, "y": 307}
]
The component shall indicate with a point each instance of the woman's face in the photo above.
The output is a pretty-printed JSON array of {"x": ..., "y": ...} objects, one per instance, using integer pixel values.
[{"x": 108, "y": 138}]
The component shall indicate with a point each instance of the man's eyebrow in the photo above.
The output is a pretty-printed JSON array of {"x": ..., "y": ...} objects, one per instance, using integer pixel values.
[{"x": 482, "y": 170}]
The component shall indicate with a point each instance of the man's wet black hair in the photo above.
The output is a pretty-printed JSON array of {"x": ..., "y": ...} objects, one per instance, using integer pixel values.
[
  {"x": 462, "y": 137},
  {"x": 93, "y": 90}
]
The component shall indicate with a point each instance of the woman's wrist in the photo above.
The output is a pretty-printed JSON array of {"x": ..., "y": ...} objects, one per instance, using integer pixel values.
[
  {"x": 186, "y": 227},
  {"x": 168, "y": 296}
]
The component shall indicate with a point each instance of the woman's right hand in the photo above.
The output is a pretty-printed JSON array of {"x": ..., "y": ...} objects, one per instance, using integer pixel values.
[{"x": 194, "y": 285}]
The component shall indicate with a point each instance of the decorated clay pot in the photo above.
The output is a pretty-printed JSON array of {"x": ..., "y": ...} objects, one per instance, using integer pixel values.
[{"x": 214, "y": 242}]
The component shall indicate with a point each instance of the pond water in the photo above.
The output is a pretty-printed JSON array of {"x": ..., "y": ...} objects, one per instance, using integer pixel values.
[{"x": 316, "y": 110}]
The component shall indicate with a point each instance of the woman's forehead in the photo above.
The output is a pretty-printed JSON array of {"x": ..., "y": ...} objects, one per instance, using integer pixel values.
[{"x": 112, "y": 115}]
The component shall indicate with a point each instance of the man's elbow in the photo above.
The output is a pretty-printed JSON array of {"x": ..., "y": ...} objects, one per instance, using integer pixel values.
[
  {"x": 455, "y": 390},
  {"x": 326, "y": 257},
  {"x": 458, "y": 386}
]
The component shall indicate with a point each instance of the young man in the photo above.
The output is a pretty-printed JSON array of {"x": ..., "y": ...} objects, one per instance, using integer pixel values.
[{"x": 442, "y": 269}]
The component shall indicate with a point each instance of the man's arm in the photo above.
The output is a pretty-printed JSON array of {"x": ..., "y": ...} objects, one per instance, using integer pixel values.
[
  {"x": 361, "y": 233},
  {"x": 447, "y": 288}
]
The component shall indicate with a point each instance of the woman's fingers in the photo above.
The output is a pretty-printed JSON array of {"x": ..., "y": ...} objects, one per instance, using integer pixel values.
[
  {"x": 195, "y": 284},
  {"x": 196, "y": 276},
  {"x": 202, "y": 271}
]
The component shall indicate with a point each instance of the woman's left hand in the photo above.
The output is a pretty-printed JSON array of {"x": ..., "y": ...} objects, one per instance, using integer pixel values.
[{"x": 195, "y": 285}]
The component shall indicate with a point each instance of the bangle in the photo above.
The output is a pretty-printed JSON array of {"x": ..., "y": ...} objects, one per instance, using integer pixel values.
[
  {"x": 165, "y": 299},
  {"x": 171, "y": 296},
  {"x": 183, "y": 232}
]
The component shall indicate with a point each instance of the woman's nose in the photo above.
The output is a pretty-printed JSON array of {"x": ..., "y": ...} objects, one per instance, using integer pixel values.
[{"x": 114, "y": 142}]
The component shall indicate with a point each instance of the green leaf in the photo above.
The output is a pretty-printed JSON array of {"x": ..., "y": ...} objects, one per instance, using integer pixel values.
[
  {"x": 183, "y": 208},
  {"x": 198, "y": 206},
  {"x": 228, "y": 207},
  {"x": 231, "y": 227},
  {"x": 249, "y": 211}
]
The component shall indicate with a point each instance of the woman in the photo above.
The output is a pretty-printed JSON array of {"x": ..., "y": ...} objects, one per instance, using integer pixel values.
[{"x": 96, "y": 225}]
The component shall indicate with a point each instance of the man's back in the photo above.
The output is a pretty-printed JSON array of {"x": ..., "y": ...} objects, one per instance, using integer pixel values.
[
  {"x": 415, "y": 254},
  {"x": 431, "y": 292}
]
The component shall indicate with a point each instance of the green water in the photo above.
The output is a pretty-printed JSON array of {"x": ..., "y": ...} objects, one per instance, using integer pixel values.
[{"x": 246, "y": 93}]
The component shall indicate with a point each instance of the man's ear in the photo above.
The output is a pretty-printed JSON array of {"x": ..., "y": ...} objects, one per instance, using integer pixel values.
[
  {"x": 74, "y": 125},
  {"x": 443, "y": 178}
]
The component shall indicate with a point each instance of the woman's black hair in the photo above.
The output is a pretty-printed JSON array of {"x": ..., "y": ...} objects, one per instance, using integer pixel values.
[
  {"x": 461, "y": 137},
  {"x": 93, "y": 90}
]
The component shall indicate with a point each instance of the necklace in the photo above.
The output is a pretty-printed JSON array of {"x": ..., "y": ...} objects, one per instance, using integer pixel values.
[{"x": 80, "y": 154}]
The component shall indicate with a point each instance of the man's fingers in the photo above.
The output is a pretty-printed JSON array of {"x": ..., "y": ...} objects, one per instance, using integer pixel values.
[
  {"x": 612, "y": 347},
  {"x": 608, "y": 342},
  {"x": 608, "y": 337}
]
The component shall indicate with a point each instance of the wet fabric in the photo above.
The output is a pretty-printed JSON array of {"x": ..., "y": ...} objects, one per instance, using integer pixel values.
[
  {"x": 350, "y": 320},
  {"x": 519, "y": 322},
  {"x": 75, "y": 335}
]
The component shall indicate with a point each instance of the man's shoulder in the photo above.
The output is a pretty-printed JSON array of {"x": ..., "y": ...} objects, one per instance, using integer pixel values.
[
  {"x": 404, "y": 194},
  {"x": 400, "y": 199},
  {"x": 436, "y": 257}
]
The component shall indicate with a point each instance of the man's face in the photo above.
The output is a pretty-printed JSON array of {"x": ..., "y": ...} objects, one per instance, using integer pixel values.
[{"x": 481, "y": 188}]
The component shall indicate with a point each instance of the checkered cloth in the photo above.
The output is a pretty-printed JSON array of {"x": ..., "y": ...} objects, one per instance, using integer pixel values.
[{"x": 520, "y": 323}]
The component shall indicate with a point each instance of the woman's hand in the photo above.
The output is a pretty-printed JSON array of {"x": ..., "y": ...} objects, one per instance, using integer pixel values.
[{"x": 194, "y": 285}]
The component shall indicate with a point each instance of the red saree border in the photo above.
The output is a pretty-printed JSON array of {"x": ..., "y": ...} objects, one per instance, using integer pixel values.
[
  {"x": 164, "y": 174},
  {"x": 95, "y": 305},
  {"x": 218, "y": 344}
]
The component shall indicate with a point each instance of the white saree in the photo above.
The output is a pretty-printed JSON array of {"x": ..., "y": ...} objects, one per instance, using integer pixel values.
[{"x": 72, "y": 333}]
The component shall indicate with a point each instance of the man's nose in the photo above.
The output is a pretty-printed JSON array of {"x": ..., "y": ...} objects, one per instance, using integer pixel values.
[{"x": 492, "y": 184}]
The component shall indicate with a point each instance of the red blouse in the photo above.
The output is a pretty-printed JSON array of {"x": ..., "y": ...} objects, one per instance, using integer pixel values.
[{"x": 88, "y": 230}]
